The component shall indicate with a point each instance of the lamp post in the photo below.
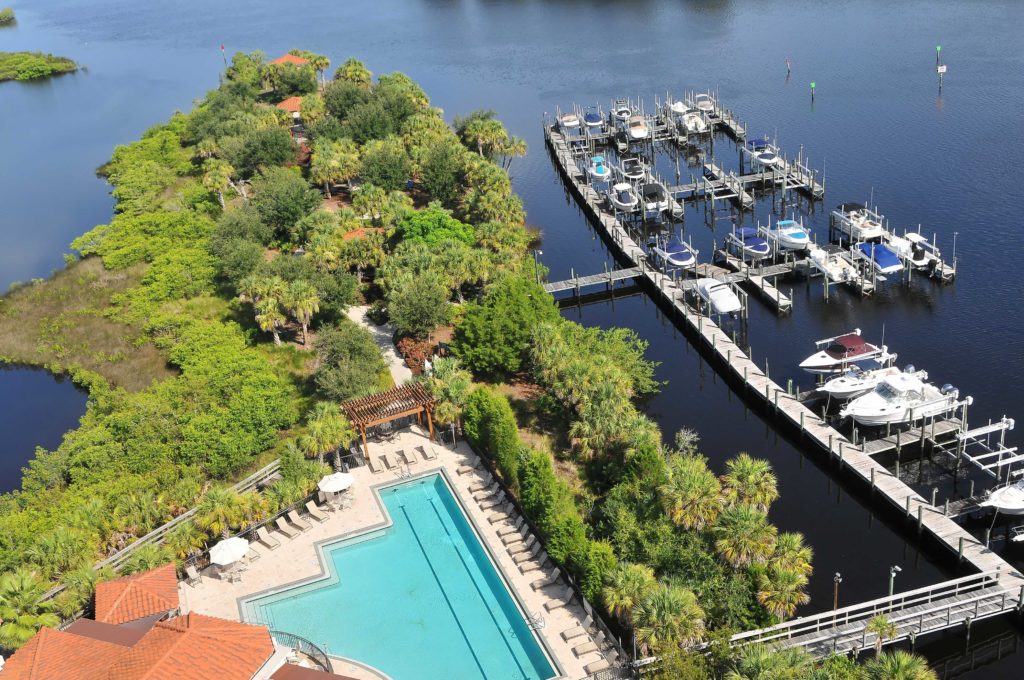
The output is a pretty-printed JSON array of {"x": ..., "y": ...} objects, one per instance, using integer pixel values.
[
  {"x": 536, "y": 264},
  {"x": 893, "y": 570},
  {"x": 836, "y": 580}
]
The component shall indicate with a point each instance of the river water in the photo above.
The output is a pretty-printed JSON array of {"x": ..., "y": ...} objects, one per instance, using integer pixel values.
[{"x": 878, "y": 125}]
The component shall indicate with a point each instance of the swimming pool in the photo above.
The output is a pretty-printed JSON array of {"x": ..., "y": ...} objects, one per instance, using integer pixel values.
[{"x": 418, "y": 600}]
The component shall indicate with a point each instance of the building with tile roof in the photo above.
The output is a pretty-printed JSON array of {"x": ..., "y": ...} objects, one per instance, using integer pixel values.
[
  {"x": 138, "y": 596},
  {"x": 290, "y": 59}
]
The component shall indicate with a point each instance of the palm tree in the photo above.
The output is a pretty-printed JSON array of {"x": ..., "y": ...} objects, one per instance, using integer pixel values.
[
  {"x": 217, "y": 178},
  {"x": 22, "y": 610},
  {"x": 146, "y": 558},
  {"x": 760, "y": 662},
  {"x": 487, "y": 134},
  {"x": 883, "y": 629},
  {"x": 320, "y": 64},
  {"x": 669, "y": 615},
  {"x": 270, "y": 318},
  {"x": 354, "y": 71},
  {"x": 744, "y": 536},
  {"x": 185, "y": 539},
  {"x": 303, "y": 301},
  {"x": 791, "y": 553},
  {"x": 781, "y": 591},
  {"x": 449, "y": 384},
  {"x": 219, "y": 510},
  {"x": 627, "y": 586},
  {"x": 139, "y": 513},
  {"x": 750, "y": 481},
  {"x": 691, "y": 496},
  {"x": 899, "y": 665},
  {"x": 511, "y": 147},
  {"x": 371, "y": 201},
  {"x": 59, "y": 551},
  {"x": 79, "y": 586},
  {"x": 326, "y": 430},
  {"x": 334, "y": 162}
]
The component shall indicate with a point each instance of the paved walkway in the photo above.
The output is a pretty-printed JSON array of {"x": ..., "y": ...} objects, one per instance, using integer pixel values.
[
  {"x": 382, "y": 335},
  {"x": 296, "y": 559}
]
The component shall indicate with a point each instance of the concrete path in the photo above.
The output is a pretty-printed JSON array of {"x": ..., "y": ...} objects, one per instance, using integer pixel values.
[{"x": 382, "y": 335}]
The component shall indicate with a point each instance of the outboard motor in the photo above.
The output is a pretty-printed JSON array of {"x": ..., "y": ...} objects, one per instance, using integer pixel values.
[
  {"x": 910, "y": 368},
  {"x": 948, "y": 389}
]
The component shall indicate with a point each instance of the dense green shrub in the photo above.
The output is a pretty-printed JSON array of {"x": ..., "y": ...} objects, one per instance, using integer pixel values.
[
  {"x": 283, "y": 198},
  {"x": 32, "y": 65},
  {"x": 433, "y": 225},
  {"x": 349, "y": 362}
]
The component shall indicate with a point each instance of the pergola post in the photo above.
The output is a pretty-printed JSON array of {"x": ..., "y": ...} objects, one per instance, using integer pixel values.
[
  {"x": 366, "y": 447},
  {"x": 430, "y": 423}
]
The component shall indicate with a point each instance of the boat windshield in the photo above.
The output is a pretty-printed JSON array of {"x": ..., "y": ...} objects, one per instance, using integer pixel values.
[{"x": 888, "y": 392}]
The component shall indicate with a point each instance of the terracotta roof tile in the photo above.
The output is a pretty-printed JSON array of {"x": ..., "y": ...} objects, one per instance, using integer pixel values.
[
  {"x": 292, "y": 104},
  {"x": 56, "y": 655},
  {"x": 136, "y": 596},
  {"x": 290, "y": 59},
  {"x": 196, "y": 647}
]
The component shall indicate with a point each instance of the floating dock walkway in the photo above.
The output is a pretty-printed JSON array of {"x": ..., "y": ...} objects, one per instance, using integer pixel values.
[{"x": 780, "y": 404}]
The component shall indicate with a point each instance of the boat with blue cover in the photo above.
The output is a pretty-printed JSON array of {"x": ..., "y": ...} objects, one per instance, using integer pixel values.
[
  {"x": 746, "y": 243},
  {"x": 677, "y": 253},
  {"x": 599, "y": 169},
  {"x": 881, "y": 257},
  {"x": 592, "y": 117}
]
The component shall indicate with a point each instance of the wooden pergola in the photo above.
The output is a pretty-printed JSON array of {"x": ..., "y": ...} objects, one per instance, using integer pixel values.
[{"x": 383, "y": 407}]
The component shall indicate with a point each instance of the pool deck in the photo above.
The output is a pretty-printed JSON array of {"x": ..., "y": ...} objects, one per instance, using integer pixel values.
[{"x": 298, "y": 559}]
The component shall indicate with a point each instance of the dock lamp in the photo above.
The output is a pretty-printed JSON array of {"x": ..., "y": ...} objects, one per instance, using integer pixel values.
[
  {"x": 536, "y": 263},
  {"x": 893, "y": 570},
  {"x": 836, "y": 580}
]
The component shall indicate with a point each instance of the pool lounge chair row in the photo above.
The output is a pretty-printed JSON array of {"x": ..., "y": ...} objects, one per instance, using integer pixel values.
[
  {"x": 391, "y": 461},
  {"x": 290, "y": 525}
]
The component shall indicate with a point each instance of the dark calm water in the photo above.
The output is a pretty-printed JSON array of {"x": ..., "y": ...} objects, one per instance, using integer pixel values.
[{"x": 878, "y": 125}]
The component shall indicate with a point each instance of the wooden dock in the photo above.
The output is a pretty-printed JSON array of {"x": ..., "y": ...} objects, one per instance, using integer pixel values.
[
  {"x": 762, "y": 281},
  {"x": 578, "y": 283},
  {"x": 783, "y": 407}
]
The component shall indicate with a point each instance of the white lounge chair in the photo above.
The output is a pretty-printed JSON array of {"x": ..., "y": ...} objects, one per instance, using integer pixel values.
[
  {"x": 283, "y": 527},
  {"x": 266, "y": 539},
  {"x": 315, "y": 512},
  {"x": 252, "y": 555},
  {"x": 389, "y": 460},
  {"x": 584, "y": 648},
  {"x": 597, "y": 666},
  {"x": 510, "y": 531},
  {"x": 512, "y": 537},
  {"x": 298, "y": 522},
  {"x": 374, "y": 467},
  {"x": 572, "y": 633},
  {"x": 552, "y": 605},
  {"x": 548, "y": 580},
  {"x": 408, "y": 457},
  {"x": 465, "y": 469},
  {"x": 428, "y": 453},
  {"x": 193, "y": 575}
]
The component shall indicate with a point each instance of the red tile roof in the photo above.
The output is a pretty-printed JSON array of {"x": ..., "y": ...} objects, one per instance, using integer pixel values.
[
  {"x": 133, "y": 597},
  {"x": 56, "y": 655},
  {"x": 290, "y": 59},
  {"x": 361, "y": 232},
  {"x": 291, "y": 105},
  {"x": 197, "y": 647}
]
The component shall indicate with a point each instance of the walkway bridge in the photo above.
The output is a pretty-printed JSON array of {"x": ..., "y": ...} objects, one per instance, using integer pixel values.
[{"x": 931, "y": 609}]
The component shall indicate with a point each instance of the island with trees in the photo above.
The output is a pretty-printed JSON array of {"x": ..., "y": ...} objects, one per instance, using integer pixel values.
[
  {"x": 7, "y": 17},
  {"x": 208, "y": 322},
  {"x": 33, "y": 65}
]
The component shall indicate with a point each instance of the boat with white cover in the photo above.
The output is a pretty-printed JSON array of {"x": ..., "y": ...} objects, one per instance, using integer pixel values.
[
  {"x": 688, "y": 120},
  {"x": 858, "y": 222},
  {"x": 718, "y": 295},
  {"x": 704, "y": 102},
  {"x": 763, "y": 153},
  {"x": 834, "y": 262},
  {"x": 915, "y": 249},
  {"x": 1008, "y": 500},
  {"x": 902, "y": 398},
  {"x": 622, "y": 110},
  {"x": 841, "y": 352},
  {"x": 623, "y": 197}
]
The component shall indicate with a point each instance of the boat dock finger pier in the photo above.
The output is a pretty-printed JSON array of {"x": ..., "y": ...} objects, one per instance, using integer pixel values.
[{"x": 778, "y": 403}]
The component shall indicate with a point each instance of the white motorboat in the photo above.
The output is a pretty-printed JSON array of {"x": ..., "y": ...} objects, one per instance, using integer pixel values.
[
  {"x": 623, "y": 197},
  {"x": 633, "y": 168},
  {"x": 621, "y": 141},
  {"x": 718, "y": 295},
  {"x": 840, "y": 353},
  {"x": 834, "y": 262},
  {"x": 569, "y": 122},
  {"x": 916, "y": 249},
  {"x": 704, "y": 102},
  {"x": 763, "y": 153},
  {"x": 677, "y": 253},
  {"x": 746, "y": 243},
  {"x": 655, "y": 197},
  {"x": 637, "y": 127},
  {"x": 901, "y": 398},
  {"x": 688, "y": 120},
  {"x": 879, "y": 256},
  {"x": 622, "y": 110},
  {"x": 592, "y": 118},
  {"x": 858, "y": 382},
  {"x": 599, "y": 169},
  {"x": 857, "y": 222},
  {"x": 788, "y": 235},
  {"x": 1008, "y": 500}
]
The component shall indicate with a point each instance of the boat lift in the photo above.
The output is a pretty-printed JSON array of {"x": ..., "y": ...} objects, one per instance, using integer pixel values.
[{"x": 977, "y": 448}]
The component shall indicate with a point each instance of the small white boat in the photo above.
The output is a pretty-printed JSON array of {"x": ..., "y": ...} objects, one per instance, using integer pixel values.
[
  {"x": 704, "y": 102},
  {"x": 840, "y": 353},
  {"x": 879, "y": 256},
  {"x": 622, "y": 110},
  {"x": 655, "y": 197},
  {"x": 688, "y": 120},
  {"x": 857, "y": 222},
  {"x": 621, "y": 141},
  {"x": 718, "y": 295},
  {"x": 789, "y": 235},
  {"x": 677, "y": 253},
  {"x": 1008, "y": 500},
  {"x": 901, "y": 398},
  {"x": 746, "y": 243},
  {"x": 916, "y": 249},
  {"x": 623, "y": 197},
  {"x": 592, "y": 118},
  {"x": 858, "y": 382},
  {"x": 637, "y": 127},
  {"x": 599, "y": 169},
  {"x": 568, "y": 122},
  {"x": 633, "y": 168},
  {"x": 834, "y": 262},
  {"x": 763, "y": 153}
]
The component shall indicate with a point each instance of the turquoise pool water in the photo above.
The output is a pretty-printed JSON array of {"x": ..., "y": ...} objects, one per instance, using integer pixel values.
[{"x": 420, "y": 600}]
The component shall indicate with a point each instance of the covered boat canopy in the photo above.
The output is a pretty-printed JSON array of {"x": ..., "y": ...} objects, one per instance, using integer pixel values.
[
  {"x": 885, "y": 259},
  {"x": 758, "y": 144},
  {"x": 849, "y": 207},
  {"x": 847, "y": 346}
]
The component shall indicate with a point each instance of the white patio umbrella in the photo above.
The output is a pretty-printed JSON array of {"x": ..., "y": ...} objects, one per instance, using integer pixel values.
[
  {"x": 229, "y": 551},
  {"x": 339, "y": 481}
]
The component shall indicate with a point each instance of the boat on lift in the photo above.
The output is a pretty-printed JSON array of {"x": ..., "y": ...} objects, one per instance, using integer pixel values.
[
  {"x": 622, "y": 110},
  {"x": 599, "y": 169},
  {"x": 834, "y": 263},
  {"x": 592, "y": 118},
  {"x": 623, "y": 197},
  {"x": 857, "y": 222},
  {"x": 718, "y": 295},
  {"x": 621, "y": 141},
  {"x": 688, "y": 120},
  {"x": 841, "y": 352},
  {"x": 857, "y": 382},
  {"x": 915, "y": 249},
  {"x": 1008, "y": 499},
  {"x": 655, "y": 197},
  {"x": 569, "y": 122},
  {"x": 637, "y": 127},
  {"x": 763, "y": 153},
  {"x": 633, "y": 168},
  {"x": 704, "y": 103},
  {"x": 789, "y": 235},
  {"x": 746, "y": 243},
  {"x": 902, "y": 398},
  {"x": 677, "y": 253},
  {"x": 878, "y": 255}
]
